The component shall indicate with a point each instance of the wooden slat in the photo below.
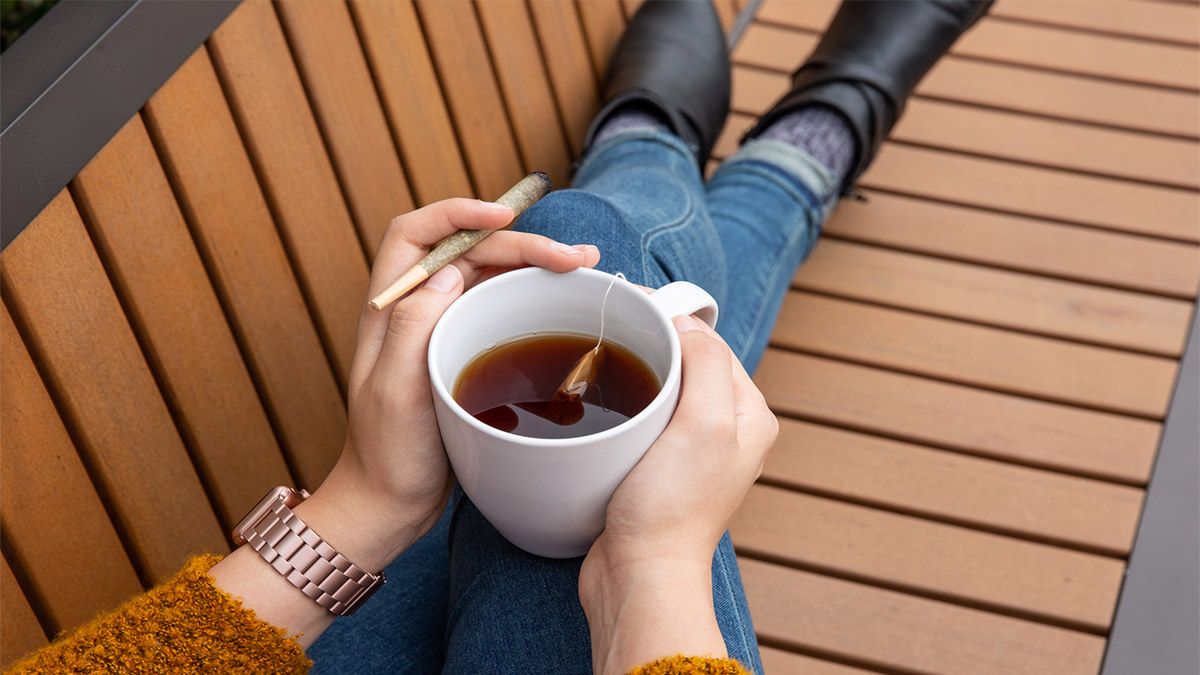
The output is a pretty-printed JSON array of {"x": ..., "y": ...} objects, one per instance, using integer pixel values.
[
  {"x": 20, "y": 632},
  {"x": 727, "y": 11},
  {"x": 1024, "y": 244},
  {"x": 999, "y": 298},
  {"x": 890, "y": 630},
  {"x": 603, "y": 23},
  {"x": 1042, "y": 193},
  {"x": 1036, "y": 46},
  {"x": 268, "y": 101},
  {"x": 1151, "y": 21},
  {"x": 395, "y": 48},
  {"x": 630, "y": 7},
  {"x": 522, "y": 76},
  {"x": 974, "y": 568},
  {"x": 780, "y": 662},
  {"x": 77, "y": 332},
  {"x": 1022, "y": 190},
  {"x": 951, "y": 487},
  {"x": 569, "y": 66},
  {"x": 326, "y": 50},
  {"x": 157, "y": 271},
  {"x": 469, "y": 84},
  {"x": 215, "y": 184},
  {"x": 983, "y": 423},
  {"x": 1117, "y": 153},
  {"x": 40, "y": 466},
  {"x": 1007, "y": 87},
  {"x": 979, "y": 356}
]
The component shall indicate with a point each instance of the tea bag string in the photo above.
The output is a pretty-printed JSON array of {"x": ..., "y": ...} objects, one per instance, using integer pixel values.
[{"x": 604, "y": 305}]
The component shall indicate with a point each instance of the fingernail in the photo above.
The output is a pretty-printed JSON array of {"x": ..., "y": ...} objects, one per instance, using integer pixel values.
[
  {"x": 444, "y": 280},
  {"x": 583, "y": 248},
  {"x": 685, "y": 323},
  {"x": 563, "y": 248},
  {"x": 495, "y": 206}
]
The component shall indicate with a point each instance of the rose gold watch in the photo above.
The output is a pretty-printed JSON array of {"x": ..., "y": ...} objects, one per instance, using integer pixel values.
[{"x": 302, "y": 557}]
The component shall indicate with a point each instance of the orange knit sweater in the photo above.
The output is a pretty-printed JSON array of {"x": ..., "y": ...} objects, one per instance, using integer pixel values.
[{"x": 187, "y": 625}]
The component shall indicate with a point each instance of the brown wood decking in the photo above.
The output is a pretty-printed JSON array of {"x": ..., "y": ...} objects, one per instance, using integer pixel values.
[{"x": 971, "y": 371}]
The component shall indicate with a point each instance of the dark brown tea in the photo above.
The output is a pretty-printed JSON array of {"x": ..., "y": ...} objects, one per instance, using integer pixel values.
[{"x": 514, "y": 387}]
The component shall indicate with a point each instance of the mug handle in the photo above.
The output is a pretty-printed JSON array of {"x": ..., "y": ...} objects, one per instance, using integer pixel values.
[{"x": 683, "y": 297}]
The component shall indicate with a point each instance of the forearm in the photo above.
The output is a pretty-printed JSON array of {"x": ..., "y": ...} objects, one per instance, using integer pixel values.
[{"x": 640, "y": 614}]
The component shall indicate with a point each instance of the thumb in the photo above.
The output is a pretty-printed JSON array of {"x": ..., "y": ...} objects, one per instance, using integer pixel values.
[{"x": 402, "y": 356}]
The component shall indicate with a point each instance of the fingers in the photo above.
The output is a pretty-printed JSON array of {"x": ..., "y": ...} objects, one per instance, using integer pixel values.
[
  {"x": 706, "y": 403},
  {"x": 508, "y": 250},
  {"x": 400, "y": 364},
  {"x": 409, "y": 237}
]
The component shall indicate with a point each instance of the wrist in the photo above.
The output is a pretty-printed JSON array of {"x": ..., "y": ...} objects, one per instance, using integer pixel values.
[{"x": 645, "y": 609}]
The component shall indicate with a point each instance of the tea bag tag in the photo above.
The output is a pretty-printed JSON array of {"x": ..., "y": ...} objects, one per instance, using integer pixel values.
[{"x": 581, "y": 376}]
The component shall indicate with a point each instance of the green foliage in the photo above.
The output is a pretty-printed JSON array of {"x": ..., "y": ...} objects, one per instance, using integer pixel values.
[{"x": 16, "y": 16}]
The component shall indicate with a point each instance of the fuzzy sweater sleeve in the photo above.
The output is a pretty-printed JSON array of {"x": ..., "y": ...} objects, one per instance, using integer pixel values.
[
  {"x": 187, "y": 625},
  {"x": 183, "y": 626}
]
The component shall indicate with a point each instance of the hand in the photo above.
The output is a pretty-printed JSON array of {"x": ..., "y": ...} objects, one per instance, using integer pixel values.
[
  {"x": 392, "y": 480},
  {"x": 646, "y": 584},
  {"x": 393, "y": 464}
]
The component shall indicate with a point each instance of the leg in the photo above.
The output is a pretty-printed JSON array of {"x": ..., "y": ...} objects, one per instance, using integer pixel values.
[{"x": 513, "y": 611}]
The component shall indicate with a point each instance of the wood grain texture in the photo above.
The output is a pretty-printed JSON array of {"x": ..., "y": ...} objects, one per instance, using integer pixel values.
[
  {"x": 980, "y": 356},
  {"x": 1151, "y": 21},
  {"x": 781, "y": 662},
  {"x": 1006, "y": 87},
  {"x": 20, "y": 632},
  {"x": 569, "y": 66},
  {"x": 897, "y": 632},
  {"x": 998, "y": 298},
  {"x": 974, "y": 568},
  {"x": 331, "y": 62},
  {"x": 999, "y": 426},
  {"x": 522, "y": 76},
  {"x": 465, "y": 71},
  {"x": 77, "y": 332},
  {"x": 1045, "y": 142},
  {"x": 268, "y": 101},
  {"x": 956, "y": 488},
  {"x": 40, "y": 465},
  {"x": 216, "y": 187},
  {"x": 1020, "y": 243},
  {"x": 157, "y": 272},
  {"x": 404, "y": 76},
  {"x": 603, "y": 25},
  {"x": 1074, "y": 52}
]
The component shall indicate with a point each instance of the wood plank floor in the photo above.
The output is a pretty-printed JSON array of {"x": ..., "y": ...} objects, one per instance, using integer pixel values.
[
  {"x": 973, "y": 367},
  {"x": 971, "y": 371}
]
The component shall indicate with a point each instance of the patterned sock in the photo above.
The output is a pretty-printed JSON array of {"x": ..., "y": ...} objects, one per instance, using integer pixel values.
[
  {"x": 633, "y": 117},
  {"x": 819, "y": 131}
]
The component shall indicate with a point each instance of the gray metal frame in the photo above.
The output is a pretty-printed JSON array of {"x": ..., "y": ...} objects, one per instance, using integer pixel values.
[
  {"x": 81, "y": 72},
  {"x": 75, "y": 78},
  {"x": 1157, "y": 626}
]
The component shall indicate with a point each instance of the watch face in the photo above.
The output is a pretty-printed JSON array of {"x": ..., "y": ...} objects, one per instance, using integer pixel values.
[{"x": 278, "y": 494}]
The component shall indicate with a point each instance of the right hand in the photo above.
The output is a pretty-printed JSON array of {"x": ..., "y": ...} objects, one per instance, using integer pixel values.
[{"x": 646, "y": 583}]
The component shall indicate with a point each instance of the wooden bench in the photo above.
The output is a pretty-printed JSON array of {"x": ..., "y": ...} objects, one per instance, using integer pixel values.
[{"x": 972, "y": 371}]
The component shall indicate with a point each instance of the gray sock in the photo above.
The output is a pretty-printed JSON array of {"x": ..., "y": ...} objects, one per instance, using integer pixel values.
[
  {"x": 630, "y": 118},
  {"x": 821, "y": 132}
]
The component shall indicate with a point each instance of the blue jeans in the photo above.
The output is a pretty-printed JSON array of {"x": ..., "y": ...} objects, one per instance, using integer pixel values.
[{"x": 463, "y": 599}]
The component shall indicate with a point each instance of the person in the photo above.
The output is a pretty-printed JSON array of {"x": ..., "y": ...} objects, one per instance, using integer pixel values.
[{"x": 659, "y": 591}]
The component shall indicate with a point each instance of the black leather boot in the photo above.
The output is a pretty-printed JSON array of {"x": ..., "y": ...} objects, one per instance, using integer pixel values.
[
  {"x": 869, "y": 61},
  {"x": 672, "y": 58}
]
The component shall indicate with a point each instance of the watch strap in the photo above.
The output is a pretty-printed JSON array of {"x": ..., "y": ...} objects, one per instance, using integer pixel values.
[{"x": 310, "y": 564}]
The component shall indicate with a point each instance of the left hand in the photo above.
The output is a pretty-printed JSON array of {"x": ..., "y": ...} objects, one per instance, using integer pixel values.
[{"x": 394, "y": 463}]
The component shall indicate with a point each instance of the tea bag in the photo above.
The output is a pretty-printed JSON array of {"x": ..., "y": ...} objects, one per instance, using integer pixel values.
[{"x": 566, "y": 407}]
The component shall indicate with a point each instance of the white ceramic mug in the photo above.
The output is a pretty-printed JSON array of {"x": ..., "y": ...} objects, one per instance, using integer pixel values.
[{"x": 548, "y": 496}]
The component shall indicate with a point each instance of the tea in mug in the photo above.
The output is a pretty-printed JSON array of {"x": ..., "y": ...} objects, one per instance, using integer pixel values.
[{"x": 514, "y": 387}]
